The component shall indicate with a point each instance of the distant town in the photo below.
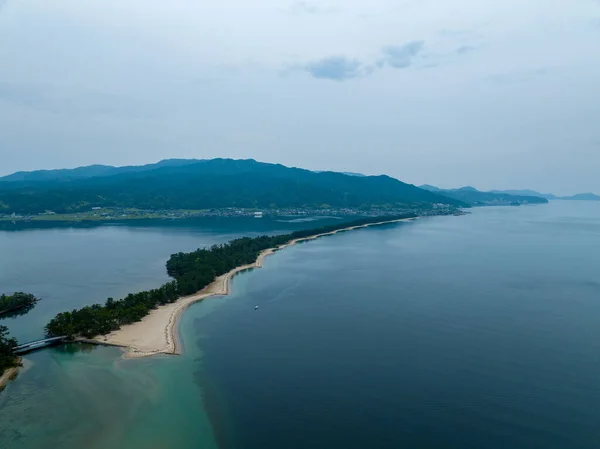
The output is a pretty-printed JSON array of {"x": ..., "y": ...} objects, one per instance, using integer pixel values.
[{"x": 119, "y": 214}]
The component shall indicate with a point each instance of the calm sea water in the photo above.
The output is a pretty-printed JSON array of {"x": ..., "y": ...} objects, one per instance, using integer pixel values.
[
  {"x": 70, "y": 266},
  {"x": 450, "y": 332}
]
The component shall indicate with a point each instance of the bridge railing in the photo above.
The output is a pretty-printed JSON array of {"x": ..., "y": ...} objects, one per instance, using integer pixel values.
[{"x": 45, "y": 341}]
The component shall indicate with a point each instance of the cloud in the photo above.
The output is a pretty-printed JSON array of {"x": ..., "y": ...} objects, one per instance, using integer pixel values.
[
  {"x": 341, "y": 68},
  {"x": 303, "y": 7},
  {"x": 463, "y": 49},
  {"x": 24, "y": 95},
  {"x": 73, "y": 101},
  {"x": 449, "y": 33},
  {"x": 517, "y": 77},
  {"x": 402, "y": 56},
  {"x": 337, "y": 68},
  {"x": 466, "y": 41}
]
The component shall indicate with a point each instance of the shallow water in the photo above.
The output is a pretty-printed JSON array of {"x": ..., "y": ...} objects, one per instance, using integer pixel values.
[
  {"x": 449, "y": 332},
  {"x": 74, "y": 396}
]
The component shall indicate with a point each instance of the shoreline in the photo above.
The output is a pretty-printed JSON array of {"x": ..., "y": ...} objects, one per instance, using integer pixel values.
[
  {"x": 9, "y": 375},
  {"x": 157, "y": 333}
]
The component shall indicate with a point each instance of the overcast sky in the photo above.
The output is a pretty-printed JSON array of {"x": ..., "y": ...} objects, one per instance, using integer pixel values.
[{"x": 490, "y": 93}]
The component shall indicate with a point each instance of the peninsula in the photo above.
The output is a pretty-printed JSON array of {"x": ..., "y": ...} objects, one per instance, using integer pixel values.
[{"x": 145, "y": 323}]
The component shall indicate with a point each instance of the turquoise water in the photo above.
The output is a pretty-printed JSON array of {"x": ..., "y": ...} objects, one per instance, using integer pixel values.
[
  {"x": 94, "y": 399},
  {"x": 448, "y": 332},
  {"x": 75, "y": 397}
]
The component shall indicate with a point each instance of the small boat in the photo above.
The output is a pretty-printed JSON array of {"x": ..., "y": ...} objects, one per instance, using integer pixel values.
[{"x": 255, "y": 307}]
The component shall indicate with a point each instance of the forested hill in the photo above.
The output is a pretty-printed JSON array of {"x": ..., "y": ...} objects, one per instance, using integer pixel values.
[
  {"x": 91, "y": 171},
  {"x": 477, "y": 198},
  {"x": 582, "y": 197},
  {"x": 216, "y": 183}
]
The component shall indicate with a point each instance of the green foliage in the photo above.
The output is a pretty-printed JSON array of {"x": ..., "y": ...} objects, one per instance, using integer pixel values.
[
  {"x": 213, "y": 184},
  {"x": 99, "y": 319},
  {"x": 8, "y": 358},
  {"x": 192, "y": 272},
  {"x": 17, "y": 302}
]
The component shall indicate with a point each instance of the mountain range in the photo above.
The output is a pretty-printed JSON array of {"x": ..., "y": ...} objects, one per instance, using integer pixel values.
[
  {"x": 582, "y": 197},
  {"x": 477, "y": 198},
  {"x": 91, "y": 171},
  {"x": 550, "y": 196},
  {"x": 204, "y": 184},
  {"x": 221, "y": 183}
]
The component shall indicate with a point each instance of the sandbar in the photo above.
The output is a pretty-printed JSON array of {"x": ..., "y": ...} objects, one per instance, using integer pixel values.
[
  {"x": 157, "y": 333},
  {"x": 8, "y": 375}
]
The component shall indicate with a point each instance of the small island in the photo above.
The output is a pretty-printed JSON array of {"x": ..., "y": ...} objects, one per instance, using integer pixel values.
[{"x": 18, "y": 303}]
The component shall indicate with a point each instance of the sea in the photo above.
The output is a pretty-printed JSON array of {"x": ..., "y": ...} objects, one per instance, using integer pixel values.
[{"x": 475, "y": 331}]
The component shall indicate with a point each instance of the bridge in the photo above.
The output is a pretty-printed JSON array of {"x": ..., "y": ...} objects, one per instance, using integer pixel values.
[{"x": 39, "y": 344}]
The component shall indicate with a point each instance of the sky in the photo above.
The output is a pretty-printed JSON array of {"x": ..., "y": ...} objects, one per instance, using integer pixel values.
[{"x": 490, "y": 93}]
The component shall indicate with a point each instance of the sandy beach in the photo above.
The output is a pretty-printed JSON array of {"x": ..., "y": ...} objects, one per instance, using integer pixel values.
[
  {"x": 157, "y": 333},
  {"x": 7, "y": 376}
]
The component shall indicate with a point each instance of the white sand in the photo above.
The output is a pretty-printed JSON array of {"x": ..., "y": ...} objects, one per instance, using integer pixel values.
[
  {"x": 8, "y": 375},
  {"x": 156, "y": 333}
]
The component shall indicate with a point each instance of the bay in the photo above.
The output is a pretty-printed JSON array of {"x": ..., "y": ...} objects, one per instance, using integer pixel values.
[
  {"x": 74, "y": 396},
  {"x": 70, "y": 265},
  {"x": 447, "y": 332}
]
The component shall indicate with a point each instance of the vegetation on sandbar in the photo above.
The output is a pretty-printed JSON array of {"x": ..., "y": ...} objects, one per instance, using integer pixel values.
[
  {"x": 192, "y": 272},
  {"x": 8, "y": 358}
]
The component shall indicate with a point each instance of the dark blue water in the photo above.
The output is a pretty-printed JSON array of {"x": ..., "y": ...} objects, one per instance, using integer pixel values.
[{"x": 450, "y": 332}]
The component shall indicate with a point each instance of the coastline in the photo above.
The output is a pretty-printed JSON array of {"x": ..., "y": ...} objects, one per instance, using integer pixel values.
[
  {"x": 157, "y": 333},
  {"x": 8, "y": 375}
]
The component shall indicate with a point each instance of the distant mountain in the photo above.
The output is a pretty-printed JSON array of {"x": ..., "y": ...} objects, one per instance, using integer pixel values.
[
  {"x": 467, "y": 194},
  {"x": 347, "y": 173},
  {"x": 91, "y": 171},
  {"x": 430, "y": 188},
  {"x": 474, "y": 197},
  {"x": 206, "y": 184},
  {"x": 582, "y": 197},
  {"x": 548, "y": 196}
]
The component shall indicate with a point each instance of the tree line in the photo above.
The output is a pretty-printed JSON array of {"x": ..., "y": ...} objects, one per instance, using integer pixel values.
[
  {"x": 191, "y": 272},
  {"x": 8, "y": 358},
  {"x": 16, "y": 302}
]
